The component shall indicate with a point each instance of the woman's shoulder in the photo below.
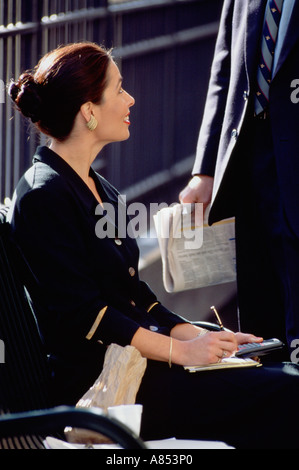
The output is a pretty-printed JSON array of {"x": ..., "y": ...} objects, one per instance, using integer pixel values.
[
  {"x": 39, "y": 180},
  {"x": 48, "y": 174},
  {"x": 42, "y": 190}
]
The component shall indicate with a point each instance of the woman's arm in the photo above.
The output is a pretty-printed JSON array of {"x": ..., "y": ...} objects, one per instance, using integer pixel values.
[
  {"x": 185, "y": 331},
  {"x": 204, "y": 349},
  {"x": 185, "y": 347}
]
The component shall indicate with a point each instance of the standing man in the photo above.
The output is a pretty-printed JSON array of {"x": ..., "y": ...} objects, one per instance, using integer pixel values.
[{"x": 247, "y": 162}]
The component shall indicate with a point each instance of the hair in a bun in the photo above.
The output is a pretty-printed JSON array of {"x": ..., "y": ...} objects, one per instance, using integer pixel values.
[
  {"x": 26, "y": 94},
  {"x": 64, "y": 79}
]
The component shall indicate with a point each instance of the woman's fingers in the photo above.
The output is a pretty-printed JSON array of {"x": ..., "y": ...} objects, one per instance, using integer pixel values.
[
  {"x": 216, "y": 345},
  {"x": 243, "y": 338}
]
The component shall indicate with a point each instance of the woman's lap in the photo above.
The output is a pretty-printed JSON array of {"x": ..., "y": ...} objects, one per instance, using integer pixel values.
[{"x": 254, "y": 407}]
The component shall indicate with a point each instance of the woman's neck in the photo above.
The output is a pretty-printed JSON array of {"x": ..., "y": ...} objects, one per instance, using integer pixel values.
[
  {"x": 77, "y": 155},
  {"x": 80, "y": 159}
]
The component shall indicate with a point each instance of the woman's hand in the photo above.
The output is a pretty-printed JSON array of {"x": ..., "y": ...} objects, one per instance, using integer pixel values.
[
  {"x": 211, "y": 347},
  {"x": 205, "y": 349},
  {"x": 243, "y": 338}
]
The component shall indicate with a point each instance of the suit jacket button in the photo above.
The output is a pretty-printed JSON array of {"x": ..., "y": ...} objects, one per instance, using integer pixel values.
[
  {"x": 118, "y": 241},
  {"x": 153, "y": 328},
  {"x": 132, "y": 303},
  {"x": 235, "y": 134},
  {"x": 132, "y": 272}
]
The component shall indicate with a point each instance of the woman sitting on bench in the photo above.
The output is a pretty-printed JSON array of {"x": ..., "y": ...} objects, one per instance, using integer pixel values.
[{"x": 86, "y": 290}]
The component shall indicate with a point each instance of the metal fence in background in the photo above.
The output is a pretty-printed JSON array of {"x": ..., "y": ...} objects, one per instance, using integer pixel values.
[{"x": 164, "y": 49}]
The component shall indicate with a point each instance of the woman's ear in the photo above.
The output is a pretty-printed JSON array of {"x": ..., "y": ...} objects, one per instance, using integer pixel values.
[
  {"x": 88, "y": 116},
  {"x": 86, "y": 111}
]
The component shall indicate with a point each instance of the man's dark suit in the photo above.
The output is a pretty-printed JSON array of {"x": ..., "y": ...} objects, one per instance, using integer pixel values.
[{"x": 229, "y": 149}]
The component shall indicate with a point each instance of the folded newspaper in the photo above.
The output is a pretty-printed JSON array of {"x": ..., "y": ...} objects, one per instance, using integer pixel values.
[{"x": 193, "y": 253}]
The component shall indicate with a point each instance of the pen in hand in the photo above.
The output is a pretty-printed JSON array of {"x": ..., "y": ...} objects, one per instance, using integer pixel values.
[{"x": 218, "y": 318}]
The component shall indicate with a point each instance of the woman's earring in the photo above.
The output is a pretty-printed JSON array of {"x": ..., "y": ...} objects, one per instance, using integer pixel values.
[{"x": 92, "y": 123}]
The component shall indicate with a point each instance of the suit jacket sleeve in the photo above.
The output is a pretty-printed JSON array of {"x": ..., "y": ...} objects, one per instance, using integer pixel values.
[{"x": 210, "y": 132}]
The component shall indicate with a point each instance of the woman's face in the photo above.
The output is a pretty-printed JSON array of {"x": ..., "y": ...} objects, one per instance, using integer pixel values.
[{"x": 114, "y": 111}]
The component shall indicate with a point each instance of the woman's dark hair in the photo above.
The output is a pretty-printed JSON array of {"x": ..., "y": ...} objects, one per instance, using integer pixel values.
[{"x": 53, "y": 92}]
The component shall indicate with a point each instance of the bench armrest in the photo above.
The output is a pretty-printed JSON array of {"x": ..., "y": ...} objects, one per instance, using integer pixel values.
[{"x": 55, "y": 419}]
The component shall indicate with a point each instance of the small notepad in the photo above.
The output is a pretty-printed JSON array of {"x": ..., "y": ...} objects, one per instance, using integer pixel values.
[{"x": 225, "y": 363}]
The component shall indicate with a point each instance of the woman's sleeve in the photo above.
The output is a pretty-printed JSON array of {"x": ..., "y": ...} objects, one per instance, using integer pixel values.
[{"x": 157, "y": 310}]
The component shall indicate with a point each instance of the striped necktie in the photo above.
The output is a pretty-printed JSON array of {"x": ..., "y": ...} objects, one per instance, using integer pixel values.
[{"x": 269, "y": 37}]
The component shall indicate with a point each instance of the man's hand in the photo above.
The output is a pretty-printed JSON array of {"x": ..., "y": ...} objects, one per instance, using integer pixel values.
[{"x": 199, "y": 189}]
